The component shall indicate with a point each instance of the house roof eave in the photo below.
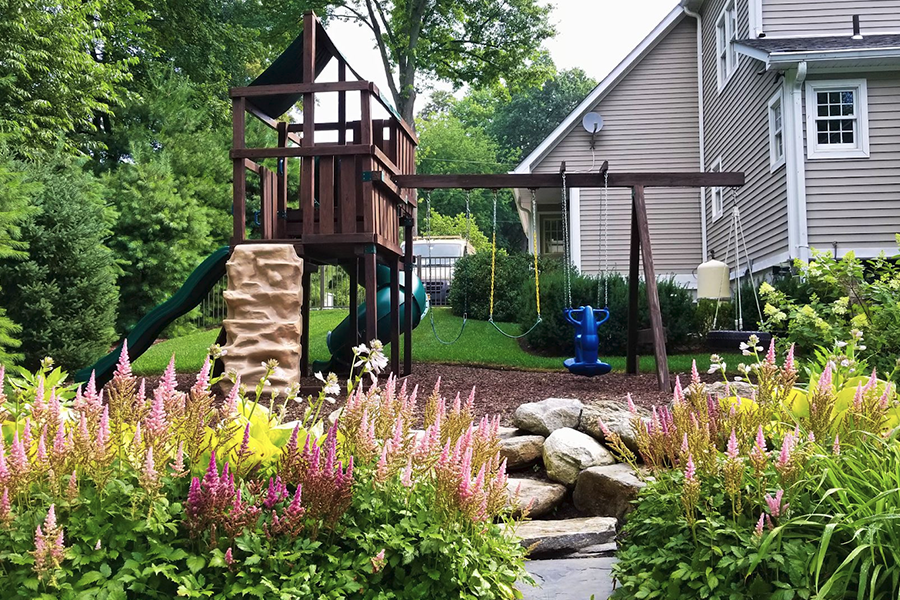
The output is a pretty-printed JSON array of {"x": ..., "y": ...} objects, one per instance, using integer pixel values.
[{"x": 608, "y": 83}]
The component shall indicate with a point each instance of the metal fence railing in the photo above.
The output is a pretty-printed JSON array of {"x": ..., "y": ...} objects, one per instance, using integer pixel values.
[{"x": 330, "y": 289}]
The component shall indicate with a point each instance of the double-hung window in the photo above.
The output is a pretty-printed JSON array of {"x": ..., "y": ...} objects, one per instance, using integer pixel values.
[
  {"x": 776, "y": 131},
  {"x": 837, "y": 123},
  {"x": 726, "y": 36},
  {"x": 717, "y": 193}
]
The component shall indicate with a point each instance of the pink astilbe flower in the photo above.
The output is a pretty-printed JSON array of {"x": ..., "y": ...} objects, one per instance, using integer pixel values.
[
  {"x": 229, "y": 557},
  {"x": 103, "y": 434},
  {"x": 60, "y": 443},
  {"x": 690, "y": 471},
  {"x": 789, "y": 365},
  {"x": 678, "y": 395},
  {"x": 776, "y": 508},
  {"x": 825, "y": 380},
  {"x": 49, "y": 545},
  {"x": 732, "y": 445},
  {"x": 97, "y": 546},
  {"x": 695, "y": 374},
  {"x": 760, "y": 440},
  {"x": 406, "y": 480},
  {"x": 631, "y": 407},
  {"x": 885, "y": 401},
  {"x": 382, "y": 469},
  {"x": 836, "y": 447},
  {"x": 6, "y": 516},
  {"x": 149, "y": 477},
  {"x": 18, "y": 459},
  {"x": 230, "y": 406},
  {"x": 378, "y": 561},
  {"x": 871, "y": 383},
  {"x": 55, "y": 407},
  {"x": 178, "y": 466},
  {"x": 470, "y": 401},
  {"x": 201, "y": 386},
  {"x": 276, "y": 493},
  {"x": 770, "y": 355},
  {"x": 156, "y": 423},
  {"x": 684, "y": 444},
  {"x": 758, "y": 531},
  {"x": 783, "y": 463},
  {"x": 72, "y": 488},
  {"x": 858, "y": 398},
  {"x": 123, "y": 367}
]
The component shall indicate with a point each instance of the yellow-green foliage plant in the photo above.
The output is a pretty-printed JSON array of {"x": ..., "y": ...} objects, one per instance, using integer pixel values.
[{"x": 787, "y": 494}]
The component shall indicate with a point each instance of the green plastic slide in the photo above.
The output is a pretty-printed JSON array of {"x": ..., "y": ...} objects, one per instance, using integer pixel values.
[
  {"x": 339, "y": 341},
  {"x": 188, "y": 296}
]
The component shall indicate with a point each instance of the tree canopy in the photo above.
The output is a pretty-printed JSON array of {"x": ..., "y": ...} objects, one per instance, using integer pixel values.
[{"x": 477, "y": 43}]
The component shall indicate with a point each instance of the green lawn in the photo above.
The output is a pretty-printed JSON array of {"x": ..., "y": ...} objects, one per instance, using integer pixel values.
[{"x": 479, "y": 344}]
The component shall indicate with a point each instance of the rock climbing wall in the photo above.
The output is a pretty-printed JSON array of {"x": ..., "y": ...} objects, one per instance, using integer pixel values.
[{"x": 264, "y": 300}]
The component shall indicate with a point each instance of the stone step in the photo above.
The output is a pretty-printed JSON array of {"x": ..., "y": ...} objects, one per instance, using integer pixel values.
[
  {"x": 566, "y": 536},
  {"x": 569, "y": 579},
  {"x": 541, "y": 496}
]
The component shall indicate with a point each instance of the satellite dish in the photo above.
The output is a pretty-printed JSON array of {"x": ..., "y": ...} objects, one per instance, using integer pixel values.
[{"x": 592, "y": 122}]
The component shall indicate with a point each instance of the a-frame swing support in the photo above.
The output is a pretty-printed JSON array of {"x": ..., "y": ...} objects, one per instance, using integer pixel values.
[{"x": 641, "y": 250}]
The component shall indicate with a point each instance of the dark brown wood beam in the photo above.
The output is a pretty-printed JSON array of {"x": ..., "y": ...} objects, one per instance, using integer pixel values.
[
  {"x": 320, "y": 150},
  {"x": 285, "y": 89},
  {"x": 501, "y": 181}
]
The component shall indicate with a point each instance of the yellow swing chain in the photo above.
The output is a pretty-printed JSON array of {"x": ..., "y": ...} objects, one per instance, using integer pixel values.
[{"x": 537, "y": 280}]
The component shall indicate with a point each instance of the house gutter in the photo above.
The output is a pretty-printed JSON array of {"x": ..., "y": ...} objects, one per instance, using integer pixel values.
[
  {"x": 798, "y": 233},
  {"x": 704, "y": 243}
]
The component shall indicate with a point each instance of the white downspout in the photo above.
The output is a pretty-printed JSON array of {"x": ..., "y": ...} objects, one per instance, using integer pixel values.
[
  {"x": 703, "y": 233},
  {"x": 798, "y": 168}
]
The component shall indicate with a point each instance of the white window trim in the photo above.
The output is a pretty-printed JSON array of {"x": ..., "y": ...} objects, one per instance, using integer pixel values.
[
  {"x": 732, "y": 58},
  {"x": 716, "y": 167},
  {"x": 775, "y": 162},
  {"x": 861, "y": 148}
]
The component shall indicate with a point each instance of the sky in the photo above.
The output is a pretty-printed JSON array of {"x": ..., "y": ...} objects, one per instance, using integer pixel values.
[{"x": 594, "y": 35}]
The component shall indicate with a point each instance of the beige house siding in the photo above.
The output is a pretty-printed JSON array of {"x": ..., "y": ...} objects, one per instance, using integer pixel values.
[
  {"x": 650, "y": 124},
  {"x": 793, "y": 18},
  {"x": 737, "y": 131},
  {"x": 856, "y": 202}
]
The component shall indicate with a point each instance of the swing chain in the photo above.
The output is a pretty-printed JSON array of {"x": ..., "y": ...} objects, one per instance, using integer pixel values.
[
  {"x": 567, "y": 255},
  {"x": 537, "y": 278}
]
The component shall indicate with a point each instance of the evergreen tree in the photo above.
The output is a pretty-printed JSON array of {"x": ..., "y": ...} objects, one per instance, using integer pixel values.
[
  {"x": 14, "y": 208},
  {"x": 160, "y": 235},
  {"x": 64, "y": 293}
]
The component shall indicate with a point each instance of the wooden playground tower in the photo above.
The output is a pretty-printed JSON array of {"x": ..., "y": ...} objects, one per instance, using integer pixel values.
[
  {"x": 340, "y": 214},
  {"x": 358, "y": 188}
]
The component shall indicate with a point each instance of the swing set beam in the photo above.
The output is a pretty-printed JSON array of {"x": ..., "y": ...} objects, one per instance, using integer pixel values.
[{"x": 640, "y": 251}]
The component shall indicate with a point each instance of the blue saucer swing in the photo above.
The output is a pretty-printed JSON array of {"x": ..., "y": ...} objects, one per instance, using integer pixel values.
[{"x": 586, "y": 319}]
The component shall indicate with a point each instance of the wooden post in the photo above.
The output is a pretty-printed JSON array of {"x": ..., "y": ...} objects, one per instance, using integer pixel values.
[
  {"x": 354, "y": 300},
  {"x": 238, "y": 207},
  {"x": 395, "y": 314},
  {"x": 281, "y": 203},
  {"x": 408, "y": 297},
  {"x": 307, "y": 176},
  {"x": 656, "y": 324},
  {"x": 631, "y": 360},
  {"x": 304, "y": 335},
  {"x": 342, "y": 104},
  {"x": 369, "y": 268}
]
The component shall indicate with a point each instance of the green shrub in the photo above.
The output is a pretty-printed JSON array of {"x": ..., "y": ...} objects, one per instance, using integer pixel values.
[
  {"x": 829, "y": 299},
  {"x": 472, "y": 284},
  {"x": 556, "y": 336},
  {"x": 64, "y": 294},
  {"x": 225, "y": 500},
  {"x": 790, "y": 494}
]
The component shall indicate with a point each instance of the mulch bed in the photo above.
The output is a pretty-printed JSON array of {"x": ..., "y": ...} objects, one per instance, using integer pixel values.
[{"x": 502, "y": 391}]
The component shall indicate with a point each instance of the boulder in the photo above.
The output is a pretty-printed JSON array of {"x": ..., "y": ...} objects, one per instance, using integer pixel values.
[
  {"x": 615, "y": 415},
  {"x": 739, "y": 388},
  {"x": 508, "y": 432},
  {"x": 568, "y": 452},
  {"x": 607, "y": 491},
  {"x": 546, "y": 416},
  {"x": 543, "y": 496},
  {"x": 522, "y": 450},
  {"x": 565, "y": 536}
]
